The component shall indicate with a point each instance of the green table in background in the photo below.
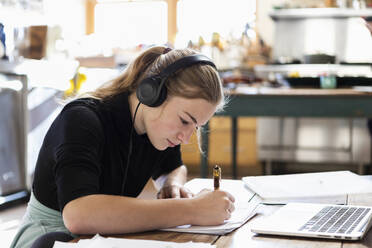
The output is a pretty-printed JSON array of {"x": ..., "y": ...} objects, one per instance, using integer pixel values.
[{"x": 266, "y": 102}]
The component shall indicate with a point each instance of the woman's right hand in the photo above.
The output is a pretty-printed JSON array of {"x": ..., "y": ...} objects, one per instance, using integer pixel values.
[{"x": 212, "y": 207}]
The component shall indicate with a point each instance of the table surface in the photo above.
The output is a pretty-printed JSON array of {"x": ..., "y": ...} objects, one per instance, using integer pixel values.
[
  {"x": 243, "y": 237},
  {"x": 250, "y": 101}
]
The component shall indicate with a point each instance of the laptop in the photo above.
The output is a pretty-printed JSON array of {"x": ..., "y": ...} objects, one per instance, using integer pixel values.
[{"x": 317, "y": 221}]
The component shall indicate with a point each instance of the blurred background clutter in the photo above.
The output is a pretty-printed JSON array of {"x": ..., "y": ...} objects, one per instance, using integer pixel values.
[{"x": 51, "y": 50}]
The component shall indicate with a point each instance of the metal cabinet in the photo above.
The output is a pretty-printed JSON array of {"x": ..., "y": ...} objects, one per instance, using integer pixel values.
[
  {"x": 13, "y": 136},
  {"x": 314, "y": 140},
  {"x": 25, "y": 116}
]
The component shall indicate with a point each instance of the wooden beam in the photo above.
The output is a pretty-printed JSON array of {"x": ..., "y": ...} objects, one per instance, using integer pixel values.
[
  {"x": 89, "y": 16},
  {"x": 172, "y": 21}
]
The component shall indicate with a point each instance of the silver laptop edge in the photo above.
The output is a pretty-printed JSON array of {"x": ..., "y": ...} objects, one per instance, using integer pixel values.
[{"x": 266, "y": 225}]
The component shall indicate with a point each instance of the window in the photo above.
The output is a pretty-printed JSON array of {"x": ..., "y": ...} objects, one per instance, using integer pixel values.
[
  {"x": 127, "y": 24},
  {"x": 203, "y": 17}
]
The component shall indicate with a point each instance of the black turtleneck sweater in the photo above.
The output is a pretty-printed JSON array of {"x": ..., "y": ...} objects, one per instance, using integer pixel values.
[{"x": 85, "y": 152}]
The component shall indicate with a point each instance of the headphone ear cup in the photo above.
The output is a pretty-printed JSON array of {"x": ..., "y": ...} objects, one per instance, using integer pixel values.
[
  {"x": 148, "y": 92},
  {"x": 162, "y": 96}
]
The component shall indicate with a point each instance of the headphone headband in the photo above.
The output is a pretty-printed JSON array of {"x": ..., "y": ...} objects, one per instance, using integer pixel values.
[{"x": 184, "y": 63}]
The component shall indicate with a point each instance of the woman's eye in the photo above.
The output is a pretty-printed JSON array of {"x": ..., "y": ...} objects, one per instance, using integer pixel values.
[{"x": 184, "y": 121}]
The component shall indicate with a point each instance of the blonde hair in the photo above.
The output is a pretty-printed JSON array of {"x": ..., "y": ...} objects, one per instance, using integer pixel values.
[{"x": 196, "y": 81}]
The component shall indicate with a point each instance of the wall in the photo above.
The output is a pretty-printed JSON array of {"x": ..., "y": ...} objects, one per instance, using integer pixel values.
[
  {"x": 70, "y": 14},
  {"x": 265, "y": 25}
]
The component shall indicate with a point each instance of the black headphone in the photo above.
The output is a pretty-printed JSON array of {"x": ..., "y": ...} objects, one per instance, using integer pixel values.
[{"x": 151, "y": 90}]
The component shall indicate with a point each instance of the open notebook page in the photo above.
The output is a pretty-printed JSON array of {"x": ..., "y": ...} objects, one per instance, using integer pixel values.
[{"x": 245, "y": 205}]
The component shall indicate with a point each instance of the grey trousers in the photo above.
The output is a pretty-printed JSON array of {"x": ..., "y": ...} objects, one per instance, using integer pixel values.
[{"x": 37, "y": 221}]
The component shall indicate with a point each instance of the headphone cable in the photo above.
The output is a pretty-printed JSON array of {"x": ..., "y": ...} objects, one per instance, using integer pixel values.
[{"x": 129, "y": 149}]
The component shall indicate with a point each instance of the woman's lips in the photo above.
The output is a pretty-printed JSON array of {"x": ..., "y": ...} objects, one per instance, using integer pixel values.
[{"x": 170, "y": 143}]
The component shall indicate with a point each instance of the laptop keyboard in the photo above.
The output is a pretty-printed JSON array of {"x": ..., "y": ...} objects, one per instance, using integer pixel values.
[{"x": 335, "y": 219}]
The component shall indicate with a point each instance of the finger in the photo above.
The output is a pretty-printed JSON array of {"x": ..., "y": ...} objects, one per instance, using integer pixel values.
[
  {"x": 230, "y": 196},
  {"x": 228, "y": 215},
  {"x": 186, "y": 193},
  {"x": 203, "y": 191},
  {"x": 175, "y": 192},
  {"x": 232, "y": 208},
  {"x": 163, "y": 194},
  {"x": 159, "y": 195}
]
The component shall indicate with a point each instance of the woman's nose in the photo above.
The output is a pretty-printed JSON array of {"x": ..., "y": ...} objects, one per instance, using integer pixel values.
[{"x": 185, "y": 135}]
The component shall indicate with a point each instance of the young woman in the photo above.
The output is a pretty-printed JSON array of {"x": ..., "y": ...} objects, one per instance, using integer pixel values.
[{"x": 101, "y": 150}]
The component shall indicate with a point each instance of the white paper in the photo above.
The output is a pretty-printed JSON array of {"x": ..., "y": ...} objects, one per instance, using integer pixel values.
[
  {"x": 245, "y": 205},
  {"x": 235, "y": 187},
  {"x": 100, "y": 242},
  {"x": 322, "y": 187},
  {"x": 362, "y": 88}
]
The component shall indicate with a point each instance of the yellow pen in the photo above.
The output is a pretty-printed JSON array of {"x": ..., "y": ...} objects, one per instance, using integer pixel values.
[{"x": 216, "y": 177}]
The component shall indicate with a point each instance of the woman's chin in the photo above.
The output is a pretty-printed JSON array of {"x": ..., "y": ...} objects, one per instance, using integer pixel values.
[{"x": 160, "y": 147}]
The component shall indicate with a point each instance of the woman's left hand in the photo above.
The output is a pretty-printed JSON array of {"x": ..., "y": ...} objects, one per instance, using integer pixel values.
[{"x": 174, "y": 191}]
